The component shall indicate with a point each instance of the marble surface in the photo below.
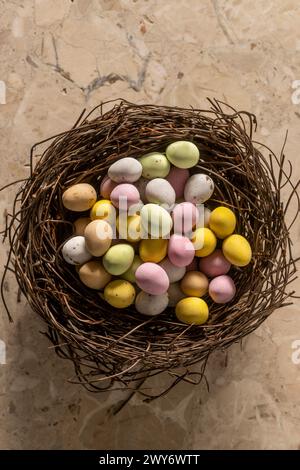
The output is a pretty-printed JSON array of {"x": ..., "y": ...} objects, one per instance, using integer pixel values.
[{"x": 58, "y": 56}]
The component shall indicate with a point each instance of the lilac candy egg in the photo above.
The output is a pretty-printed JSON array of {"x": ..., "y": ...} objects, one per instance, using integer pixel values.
[
  {"x": 215, "y": 264},
  {"x": 124, "y": 195},
  {"x": 152, "y": 278},
  {"x": 106, "y": 187},
  {"x": 181, "y": 251},
  {"x": 222, "y": 289},
  {"x": 177, "y": 178},
  {"x": 185, "y": 216}
]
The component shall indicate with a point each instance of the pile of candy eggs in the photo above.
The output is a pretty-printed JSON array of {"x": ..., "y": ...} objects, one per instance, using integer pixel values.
[{"x": 148, "y": 240}]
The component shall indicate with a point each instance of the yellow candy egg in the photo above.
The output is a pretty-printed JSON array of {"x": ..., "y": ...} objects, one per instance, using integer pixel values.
[
  {"x": 204, "y": 241},
  {"x": 153, "y": 250},
  {"x": 222, "y": 222},
  {"x": 129, "y": 228},
  {"x": 103, "y": 210},
  {"x": 237, "y": 250},
  {"x": 119, "y": 293},
  {"x": 192, "y": 310}
]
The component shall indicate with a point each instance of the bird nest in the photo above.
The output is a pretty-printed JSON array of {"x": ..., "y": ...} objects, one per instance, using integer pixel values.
[{"x": 122, "y": 348}]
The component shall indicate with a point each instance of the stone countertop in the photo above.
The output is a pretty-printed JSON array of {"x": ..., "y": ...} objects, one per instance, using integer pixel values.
[{"x": 59, "y": 56}]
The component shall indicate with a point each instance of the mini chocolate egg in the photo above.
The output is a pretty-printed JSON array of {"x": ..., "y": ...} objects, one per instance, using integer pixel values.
[
  {"x": 119, "y": 293},
  {"x": 140, "y": 185},
  {"x": 204, "y": 241},
  {"x": 129, "y": 275},
  {"x": 185, "y": 216},
  {"x": 180, "y": 250},
  {"x": 80, "y": 224},
  {"x": 93, "y": 275},
  {"x": 193, "y": 266},
  {"x": 155, "y": 165},
  {"x": 118, "y": 259},
  {"x": 79, "y": 197},
  {"x": 203, "y": 216},
  {"x": 192, "y": 310},
  {"x": 124, "y": 196},
  {"x": 214, "y": 264},
  {"x": 194, "y": 284},
  {"x": 222, "y": 222},
  {"x": 207, "y": 214},
  {"x": 177, "y": 178},
  {"x": 183, "y": 154},
  {"x": 106, "y": 187},
  {"x": 175, "y": 273},
  {"x": 152, "y": 278},
  {"x": 129, "y": 228},
  {"x": 159, "y": 191},
  {"x": 175, "y": 294},
  {"x": 237, "y": 250},
  {"x": 98, "y": 236},
  {"x": 156, "y": 221},
  {"x": 103, "y": 210},
  {"x": 74, "y": 251},
  {"x": 153, "y": 250},
  {"x": 222, "y": 289},
  {"x": 125, "y": 170},
  {"x": 199, "y": 188},
  {"x": 151, "y": 305}
]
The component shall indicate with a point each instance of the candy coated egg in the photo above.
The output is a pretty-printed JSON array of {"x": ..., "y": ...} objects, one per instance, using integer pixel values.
[
  {"x": 129, "y": 275},
  {"x": 193, "y": 266},
  {"x": 124, "y": 196},
  {"x": 222, "y": 222},
  {"x": 203, "y": 216},
  {"x": 175, "y": 294},
  {"x": 185, "y": 216},
  {"x": 155, "y": 165},
  {"x": 214, "y": 264},
  {"x": 98, "y": 236},
  {"x": 199, "y": 188},
  {"x": 93, "y": 275},
  {"x": 103, "y": 210},
  {"x": 153, "y": 250},
  {"x": 140, "y": 185},
  {"x": 237, "y": 250},
  {"x": 222, "y": 289},
  {"x": 156, "y": 221},
  {"x": 177, "y": 178},
  {"x": 106, "y": 187},
  {"x": 125, "y": 170},
  {"x": 180, "y": 250},
  {"x": 160, "y": 191},
  {"x": 183, "y": 154},
  {"x": 204, "y": 241},
  {"x": 192, "y": 310},
  {"x": 79, "y": 197},
  {"x": 129, "y": 228},
  {"x": 194, "y": 284},
  {"x": 152, "y": 278},
  {"x": 80, "y": 224},
  {"x": 151, "y": 305},
  {"x": 207, "y": 214},
  {"x": 119, "y": 293},
  {"x": 74, "y": 250},
  {"x": 175, "y": 273},
  {"x": 118, "y": 259}
]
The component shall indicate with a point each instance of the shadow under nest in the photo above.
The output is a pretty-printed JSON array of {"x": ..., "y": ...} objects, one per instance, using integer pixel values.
[{"x": 122, "y": 348}]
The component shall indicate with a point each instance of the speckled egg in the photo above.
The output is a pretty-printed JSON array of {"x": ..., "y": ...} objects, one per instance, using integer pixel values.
[
  {"x": 152, "y": 278},
  {"x": 204, "y": 241},
  {"x": 222, "y": 289},
  {"x": 177, "y": 178},
  {"x": 194, "y": 284},
  {"x": 129, "y": 275},
  {"x": 180, "y": 250},
  {"x": 175, "y": 273},
  {"x": 153, "y": 250},
  {"x": 159, "y": 191},
  {"x": 125, "y": 170},
  {"x": 74, "y": 251},
  {"x": 93, "y": 275},
  {"x": 80, "y": 224},
  {"x": 156, "y": 221},
  {"x": 79, "y": 197},
  {"x": 106, "y": 187},
  {"x": 98, "y": 236},
  {"x": 222, "y": 222},
  {"x": 214, "y": 264},
  {"x": 119, "y": 293},
  {"x": 175, "y": 294},
  {"x": 151, "y": 305},
  {"x": 118, "y": 259},
  {"x": 237, "y": 250},
  {"x": 183, "y": 154},
  {"x": 198, "y": 189},
  {"x": 185, "y": 216},
  {"x": 155, "y": 165},
  {"x": 192, "y": 310},
  {"x": 124, "y": 196}
]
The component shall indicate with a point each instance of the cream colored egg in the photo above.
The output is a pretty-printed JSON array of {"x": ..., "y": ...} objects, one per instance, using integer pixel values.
[
  {"x": 98, "y": 237},
  {"x": 125, "y": 170},
  {"x": 151, "y": 305},
  {"x": 79, "y": 197},
  {"x": 175, "y": 294}
]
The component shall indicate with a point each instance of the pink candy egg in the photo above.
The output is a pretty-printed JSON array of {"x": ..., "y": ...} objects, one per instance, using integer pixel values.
[
  {"x": 181, "y": 251},
  {"x": 177, "y": 178},
  {"x": 185, "y": 216},
  {"x": 106, "y": 187},
  {"x": 152, "y": 278},
  {"x": 222, "y": 289},
  {"x": 214, "y": 265},
  {"x": 124, "y": 195}
]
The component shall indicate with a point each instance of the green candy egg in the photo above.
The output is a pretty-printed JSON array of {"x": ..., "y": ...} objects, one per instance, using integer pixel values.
[
  {"x": 155, "y": 165},
  {"x": 183, "y": 154},
  {"x": 156, "y": 221},
  {"x": 129, "y": 275},
  {"x": 118, "y": 259}
]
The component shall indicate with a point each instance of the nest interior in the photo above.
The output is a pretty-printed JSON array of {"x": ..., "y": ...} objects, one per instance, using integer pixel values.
[{"x": 107, "y": 345}]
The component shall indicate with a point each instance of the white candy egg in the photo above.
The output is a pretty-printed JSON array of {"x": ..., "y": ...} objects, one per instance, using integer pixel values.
[
  {"x": 175, "y": 273},
  {"x": 151, "y": 305},
  {"x": 75, "y": 252},
  {"x": 125, "y": 170},
  {"x": 199, "y": 188},
  {"x": 160, "y": 191}
]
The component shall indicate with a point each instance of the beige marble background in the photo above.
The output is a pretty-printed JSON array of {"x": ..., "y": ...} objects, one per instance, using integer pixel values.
[{"x": 58, "y": 56}]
